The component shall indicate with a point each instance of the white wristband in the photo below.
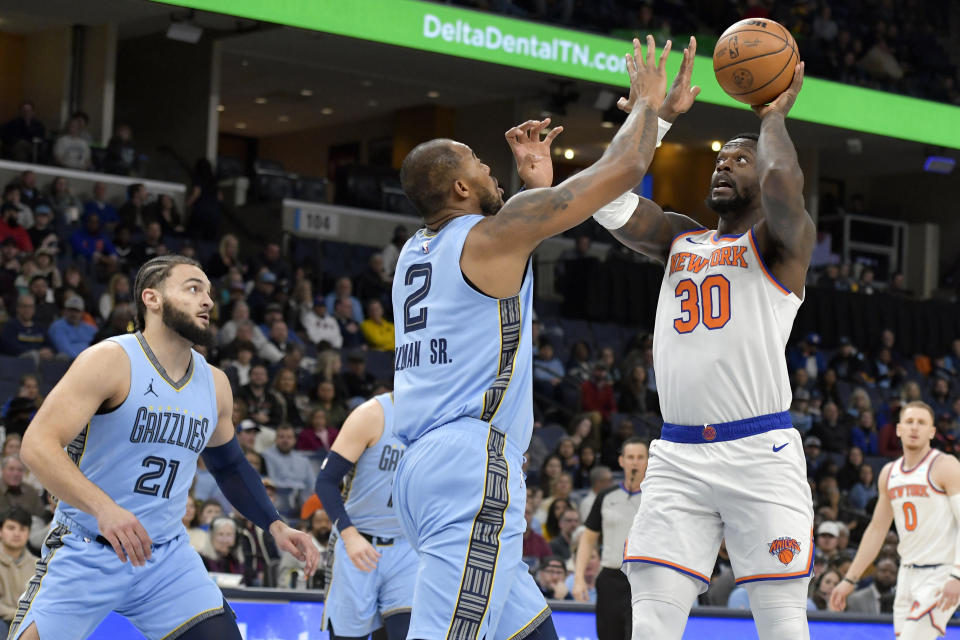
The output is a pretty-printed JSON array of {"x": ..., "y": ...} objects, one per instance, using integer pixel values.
[
  {"x": 616, "y": 214},
  {"x": 662, "y": 127}
]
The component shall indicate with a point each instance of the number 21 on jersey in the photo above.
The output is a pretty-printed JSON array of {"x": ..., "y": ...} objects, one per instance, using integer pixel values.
[{"x": 707, "y": 303}]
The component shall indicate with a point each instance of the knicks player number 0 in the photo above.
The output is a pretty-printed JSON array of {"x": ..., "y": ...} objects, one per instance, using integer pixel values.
[
  {"x": 416, "y": 321},
  {"x": 909, "y": 516},
  {"x": 708, "y": 304},
  {"x": 157, "y": 467}
]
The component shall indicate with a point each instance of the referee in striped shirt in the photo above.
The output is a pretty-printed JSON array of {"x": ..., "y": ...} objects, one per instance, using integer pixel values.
[{"x": 610, "y": 520}]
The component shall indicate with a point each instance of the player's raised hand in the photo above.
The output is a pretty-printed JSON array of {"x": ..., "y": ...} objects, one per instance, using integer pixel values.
[
  {"x": 125, "y": 534},
  {"x": 784, "y": 102},
  {"x": 838, "y": 597},
  {"x": 298, "y": 543},
  {"x": 362, "y": 554},
  {"x": 681, "y": 95},
  {"x": 648, "y": 77},
  {"x": 949, "y": 594},
  {"x": 533, "y": 153}
]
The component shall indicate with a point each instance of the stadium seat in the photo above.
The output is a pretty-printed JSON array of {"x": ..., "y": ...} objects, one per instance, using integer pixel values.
[
  {"x": 52, "y": 370},
  {"x": 11, "y": 367},
  {"x": 380, "y": 364},
  {"x": 550, "y": 435}
]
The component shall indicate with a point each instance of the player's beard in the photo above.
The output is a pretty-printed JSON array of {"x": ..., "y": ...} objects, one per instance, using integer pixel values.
[
  {"x": 185, "y": 326},
  {"x": 490, "y": 202}
]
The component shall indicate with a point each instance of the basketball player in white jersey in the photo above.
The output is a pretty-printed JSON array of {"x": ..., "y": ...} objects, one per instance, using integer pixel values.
[
  {"x": 920, "y": 493},
  {"x": 728, "y": 465}
]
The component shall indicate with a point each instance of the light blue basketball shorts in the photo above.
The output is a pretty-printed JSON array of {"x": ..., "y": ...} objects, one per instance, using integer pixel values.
[
  {"x": 460, "y": 496},
  {"x": 78, "y": 581},
  {"x": 358, "y": 601}
]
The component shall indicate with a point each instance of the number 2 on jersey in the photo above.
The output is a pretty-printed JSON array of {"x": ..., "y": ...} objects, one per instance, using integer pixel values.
[
  {"x": 411, "y": 321},
  {"x": 708, "y": 304},
  {"x": 909, "y": 516}
]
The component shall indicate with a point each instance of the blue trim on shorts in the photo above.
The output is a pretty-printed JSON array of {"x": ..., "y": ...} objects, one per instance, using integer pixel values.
[
  {"x": 668, "y": 565},
  {"x": 723, "y": 431}
]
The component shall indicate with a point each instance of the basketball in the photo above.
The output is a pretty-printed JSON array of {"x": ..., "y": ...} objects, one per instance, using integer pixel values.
[{"x": 754, "y": 60}]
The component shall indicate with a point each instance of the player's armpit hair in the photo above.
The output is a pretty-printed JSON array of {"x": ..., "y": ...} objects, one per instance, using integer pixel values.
[{"x": 240, "y": 483}]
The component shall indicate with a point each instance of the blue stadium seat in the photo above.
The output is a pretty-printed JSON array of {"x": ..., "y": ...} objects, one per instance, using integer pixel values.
[
  {"x": 550, "y": 435},
  {"x": 52, "y": 370},
  {"x": 380, "y": 364},
  {"x": 11, "y": 368}
]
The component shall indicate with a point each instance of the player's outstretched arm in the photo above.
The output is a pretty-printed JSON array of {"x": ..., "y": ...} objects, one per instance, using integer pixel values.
[
  {"x": 946, "y": 475},
  {"x": 241, "y": 483},
  {"x": 534, "y": 215},
  {"x": 100, "y": 375},
  {"x": 870, "y": 544},
  {"x": 787, "y": 232},
  {"x": 649, "y": 230},
  {"x": 361, "y": 429}
]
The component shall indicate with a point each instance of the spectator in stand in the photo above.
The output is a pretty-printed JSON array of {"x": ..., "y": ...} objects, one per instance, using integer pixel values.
[
  {"x": 827, "y": 534},
  {"x": 226, "y": 553},
  {"x": 849, "y": 474},
  {"x": 391, "y": 252},
  {"x": 898, "y": 285},
  {"x": 550, "y": 470},
  {"x": 343, "y": 290},
  {"x": 70, "y": 335},
  {"x": 349, "y": 328},
  {"x": 226, "y": 257},
  {"x": 285, "y": 387},
  {"x": 43, "y": 234},
  {"x": 947, "y": 435},
  {"x": 204, "y": 202},
  {"x": 601, "y": 478},
  {"x": 11, "y": 231},
  {"x": 808, "y": 356},
  {"x": 118, "y": 289},
  {"x": 377, "y": 330},
  {"x": 327, "y": 400},
  {"x": 240, "y": 323},
  {"x": 552, "y": 577},
  {"x": 17, "y": 564},
  {"x": 47, "y": 268},
  {"x": 11, "y": 195},
  {"x": 877, "y": 597},
  {"x": 374, "y": 283},
  {"x": 579, "y": 366},
  {"x": 72, "y": 148},
  {"x": 830, "y": 277},
  {"x": 132, "y": 213},
  {"x": 288, "y": 468},
  {"x": 358, "y": 380},
  {"x": 940, "y": 400},
  {"x": 29, "y": 193},
  {"x": 584, "y": 429},
  {"x": 868, "y": 286},
  {"x": 164, "y": 211},
  {"x": 596, "y": 394},
  {"x": 278, "y": 337},
  {"x": 800, "y": 411},
  {"x": 827, "y": 386},
  {"x": 317, "y": 435},
  {"x": 568, "y": 455},
  {"x": 290, "y": 570},
  {"x": 890, "y": 445},
  {"x": 825, "y": 28},
  {"x": 886, "y": 373},
  {"x": 562, "y": 543},
  {"x": 535, "y": 548},
  {"x": 100, "y": 206},
  {"x": 587, "y": 456},
  {"x": 20, "y": 134},
  {"x": 263, "y": 405},
  {"x": 271, "y": 260},
  {"x": 848, "y": 362},
  {"x": 199, "y": 538},
  {"x": 548, "y": 371},
  {"x": 635, "y": 395},
  {"x": 864, "y": 490},
  {"x": 121, "y": 157},
  {"x": 319, "y": 325},
  {"x": 865, "y": 435},
  {"x": 66, "y": 206},
  {"x": 262, "y": 295},
  {"x": 822, "y": 588},
  {"x": 14, "y": 492},
  {"x": 22, "y": 335},
  {"x": 238, "y": 368},
  {"x": 812, "y": 452},
  {"x": 91, "y": 243},
  {"x": 46, "y": 309}
]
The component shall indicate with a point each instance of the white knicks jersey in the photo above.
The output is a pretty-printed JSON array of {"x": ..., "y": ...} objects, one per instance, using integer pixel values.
[
  {"x": 921, "y": 511},
  {"x": 721, "y": 331}
]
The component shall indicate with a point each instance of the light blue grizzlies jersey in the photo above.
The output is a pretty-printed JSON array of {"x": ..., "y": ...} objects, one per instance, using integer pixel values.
[
  {"x": 459, "y": 353},
  {"x": 368, "y": 493},
  {"x": 143, "y": 453}
]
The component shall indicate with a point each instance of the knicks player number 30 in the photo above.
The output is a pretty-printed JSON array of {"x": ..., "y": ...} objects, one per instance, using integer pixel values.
[{"x": 707, "y": 304}]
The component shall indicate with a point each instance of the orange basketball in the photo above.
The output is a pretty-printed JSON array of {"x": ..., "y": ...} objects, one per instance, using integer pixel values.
[
  {"x": 754, "y": 60},
  {"x": 785, "y": 556}
]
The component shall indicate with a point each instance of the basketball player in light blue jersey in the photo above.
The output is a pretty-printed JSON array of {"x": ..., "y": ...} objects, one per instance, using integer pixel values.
[
  {"x": 463, "y": 365},
  {"x": 134, "y": 413},
  {"x": 370, "y": 578}
]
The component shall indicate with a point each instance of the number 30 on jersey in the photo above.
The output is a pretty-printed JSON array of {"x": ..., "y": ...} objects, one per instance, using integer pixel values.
[{"x": 707, "y": 303}]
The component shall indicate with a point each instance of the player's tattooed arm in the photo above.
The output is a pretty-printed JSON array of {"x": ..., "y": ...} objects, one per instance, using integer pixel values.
[{"x": 650, "y": 229}]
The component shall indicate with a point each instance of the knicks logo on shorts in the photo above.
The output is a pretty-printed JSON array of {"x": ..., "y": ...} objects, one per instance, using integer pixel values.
[{"x": 784, "y": 550}]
